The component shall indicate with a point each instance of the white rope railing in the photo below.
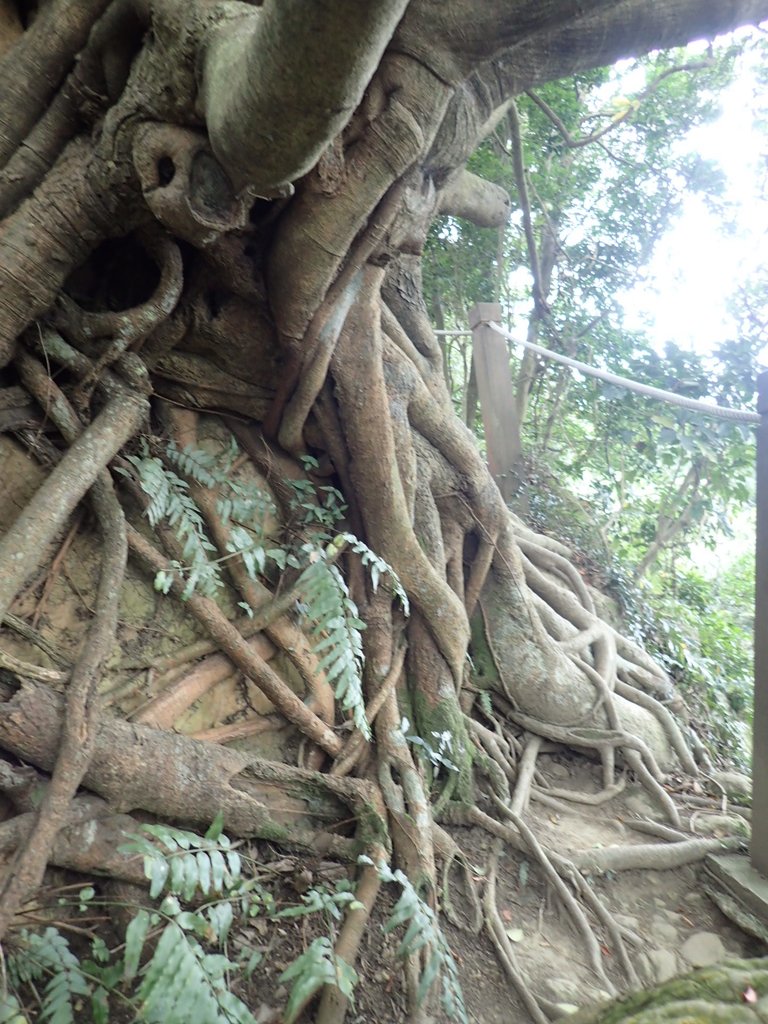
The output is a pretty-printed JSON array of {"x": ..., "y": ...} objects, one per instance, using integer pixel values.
[{"x": 739, "y": 415}]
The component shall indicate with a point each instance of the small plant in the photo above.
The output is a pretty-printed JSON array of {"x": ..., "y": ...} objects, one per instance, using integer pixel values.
[
  {"x": 165, "y": 971},
  {"x": 437, "y": 758},
  {"x": 423, "y": 932},
  {"x": 242, "y": 507},
  {"x": 319, "y": 964}
]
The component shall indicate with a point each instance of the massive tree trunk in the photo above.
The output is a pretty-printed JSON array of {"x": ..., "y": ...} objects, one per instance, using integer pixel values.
[{"x": 222, "y": 208}]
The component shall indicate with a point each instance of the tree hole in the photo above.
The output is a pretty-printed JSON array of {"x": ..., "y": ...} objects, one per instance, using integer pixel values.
[
  {"x": 117, "y": 275},
  {"x": 166, "y": 170}
]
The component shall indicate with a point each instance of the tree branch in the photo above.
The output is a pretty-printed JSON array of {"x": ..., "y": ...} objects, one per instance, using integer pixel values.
[
  {"x": 585, "y": 140},
  {"x": 281, "y": 81},
  {"x": 474, "y": 199}
]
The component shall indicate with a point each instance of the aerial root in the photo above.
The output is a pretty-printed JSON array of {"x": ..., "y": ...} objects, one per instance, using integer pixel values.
[
  {"x": 356, "y": 744},
  {"x": 333, "y": 1004},
  {"x": 232, "y": 643},
  {"x": 498, "y": 936},
  {"x": 665, "y": 719},
  {"x": 449, "y": 851},
  {"x": 616, "y": 932},
  {"x": 522, "y": 839},
  {"x": 78, "y": 733},
  {"x": 577, "y": 915},
  {"x": 579, "y": 797},
  {"x": 635, "y": 751},
  {"x": 48, "y": 511},
  {"x": 129, "y": 327}
]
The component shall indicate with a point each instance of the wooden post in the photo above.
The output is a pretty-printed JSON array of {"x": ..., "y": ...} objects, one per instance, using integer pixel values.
[
  {"x": 759, "y": 844},
  {"x": 494, "y": 389}
]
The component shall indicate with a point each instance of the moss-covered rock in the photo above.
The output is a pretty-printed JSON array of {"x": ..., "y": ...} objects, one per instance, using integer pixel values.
[{"x": 735, "y": 992}]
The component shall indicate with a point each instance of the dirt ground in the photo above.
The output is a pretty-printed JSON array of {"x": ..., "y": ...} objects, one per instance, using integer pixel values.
[{"x": 675, "y": 925}]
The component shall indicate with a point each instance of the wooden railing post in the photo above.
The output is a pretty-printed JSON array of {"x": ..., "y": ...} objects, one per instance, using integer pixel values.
[
  {"x": 494, "y": 389},
  {"x": 759, "y": 844}
]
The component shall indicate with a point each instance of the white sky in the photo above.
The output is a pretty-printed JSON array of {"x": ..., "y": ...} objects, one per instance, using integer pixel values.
[{"x": 698, "y": 264}]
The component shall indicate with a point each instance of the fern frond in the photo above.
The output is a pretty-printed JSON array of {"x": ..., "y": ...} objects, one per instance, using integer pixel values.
[
  {"x": 194, "y": 462},
  {"x": 183, "y": 983},
  {"x": 377, "y": 567},
  {"x": 11, "y": 1011},
  {"x": 170, "y": 501},
  {"x": 243, "y": 502},
  {"x": 319, "y": 965},
  {"x": 189, "y": 864},
  {"x": 336, "y": 630},
  {"x": 423, "y": 929},
  {"x": 48, "y": 955}
]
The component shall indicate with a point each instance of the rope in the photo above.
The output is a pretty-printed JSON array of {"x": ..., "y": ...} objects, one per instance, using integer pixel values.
[{"x": 739, "y": 415}]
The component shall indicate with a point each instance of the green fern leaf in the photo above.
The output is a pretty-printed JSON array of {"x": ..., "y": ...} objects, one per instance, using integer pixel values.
[
  {"x": 10, "y": 1010},
  {"x": 336, "y": 628},
  {"x": 135, "y": 936},
  {"x": 316, "y": 967},
  {"x": 220, "y": 917},
  {"x": 67, "y": 983},
  {"x": 203, "y": 871},
  {"x": 377, "y": 568},
  {"x": 423, "y": 929},
  {"x": 182, "y": 984}
]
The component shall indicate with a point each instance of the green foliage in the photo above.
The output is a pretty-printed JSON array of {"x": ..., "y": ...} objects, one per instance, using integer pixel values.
[
  {"x": 319, "y": 965},
  {"x": 188, "y": 863},
  {"x": 242, "y": 507},
  {"x": 173, "y": 966},
  {"x": 335, "y": 630},
  {"x": 423, "y": 932},
  {"x": 321, "y": 900},
  {"x": 321, "y": 508},
  {"x": 48, "y": 956},
  {"x": 10, "y": 1010},
  {"x": 597, "y": 210},
  {"x": 703, "y": 636},
  {"x": 335, "y": 624}
]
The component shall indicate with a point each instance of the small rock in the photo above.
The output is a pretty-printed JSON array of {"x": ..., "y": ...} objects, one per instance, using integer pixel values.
[
  {"x": 664, "y": 964},
  {"x": 664, "y": 932},
  {"x": 703, "y": 949},
  {"x": 571, "y": 990},
  {"x": 722, "y": 825},
  {"x": 626, "y": 921},
  {"x": 733, "y": 783},
  {"x": 557, "y": 770},
  {"x": 564, "y": 990}
]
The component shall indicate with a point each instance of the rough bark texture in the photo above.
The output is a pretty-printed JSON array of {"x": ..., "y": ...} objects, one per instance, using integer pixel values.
[{"x": 225, "y": 210}]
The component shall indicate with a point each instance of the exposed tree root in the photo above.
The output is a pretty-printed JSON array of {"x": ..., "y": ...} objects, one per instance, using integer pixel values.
[
  {"x": 333, "y": 1004},
  {"x": 498, "y": 936},
  {"x": 238, "y": 650},
  {"x": 78, "y": 733},
  {"x": 657, "y": 857},
  {"x": 134, "y": 766}
]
